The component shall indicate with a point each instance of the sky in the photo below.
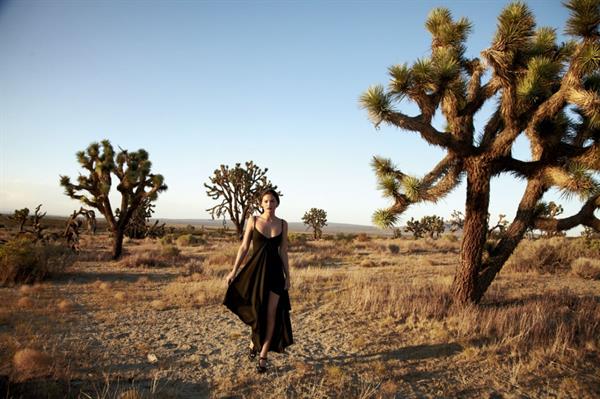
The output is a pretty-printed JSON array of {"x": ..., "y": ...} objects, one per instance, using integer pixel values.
[{"x": 199, "y": 84}]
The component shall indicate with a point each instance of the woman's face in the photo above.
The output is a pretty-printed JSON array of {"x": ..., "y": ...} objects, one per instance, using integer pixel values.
[{"x": 269, "y": 202}]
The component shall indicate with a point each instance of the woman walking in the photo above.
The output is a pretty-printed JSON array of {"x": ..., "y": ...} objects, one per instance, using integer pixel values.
[{"x": 259, "y": 293}]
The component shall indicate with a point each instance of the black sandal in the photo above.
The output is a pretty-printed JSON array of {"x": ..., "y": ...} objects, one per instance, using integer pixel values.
[
  {"x": 259, "y": 368},
  {"x": 252, "y": 353}
]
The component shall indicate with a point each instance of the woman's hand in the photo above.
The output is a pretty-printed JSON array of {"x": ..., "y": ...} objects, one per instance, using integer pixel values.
[
  {"x": 287, "y": 284},
  {"x": 229, "y": 277}
]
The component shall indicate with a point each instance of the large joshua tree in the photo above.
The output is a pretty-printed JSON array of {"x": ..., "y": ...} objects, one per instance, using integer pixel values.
[
  {"x": 547, "y": 91},
  {"x": 136, "y": 185},
  {"x": 238, "y": 188}
]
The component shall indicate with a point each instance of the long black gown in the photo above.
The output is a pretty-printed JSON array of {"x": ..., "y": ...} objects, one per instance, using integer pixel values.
[{"x": 248, "y": 294}]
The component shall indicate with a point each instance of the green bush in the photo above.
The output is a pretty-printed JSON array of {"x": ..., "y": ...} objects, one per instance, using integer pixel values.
[
  {"x": 24, "y": 261},
  {"x": 187, "y": 240}
]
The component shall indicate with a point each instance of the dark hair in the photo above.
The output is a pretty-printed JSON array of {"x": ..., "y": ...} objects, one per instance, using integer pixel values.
[{"x": 269, "y": 191}]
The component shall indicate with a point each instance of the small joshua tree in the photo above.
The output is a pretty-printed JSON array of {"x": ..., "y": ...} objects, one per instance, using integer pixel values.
[
  {"x": 547, "y": 91},
  {"x": 139, "y": 225},
  {"x": 316, "y": 219},
  {"x": 238, "y": 189},
  {"x": 501, "y": 225},
  {"x": 433, "y": 225},
  {"x": 20, "y": 216},
  {"x": 457, "y": 221},
  {"x": 73, "y": 224},
  {"x": 135, "y": 184},
  {"x": 415, "y": 227},
  {"x": 549, "y": 210}
]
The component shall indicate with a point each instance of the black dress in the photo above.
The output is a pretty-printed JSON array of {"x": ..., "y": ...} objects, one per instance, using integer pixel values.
[{"x": 248, "y": 294}]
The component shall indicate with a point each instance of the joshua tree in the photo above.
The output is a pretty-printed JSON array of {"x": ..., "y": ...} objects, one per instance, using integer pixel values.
[
  {"x": 73, "y": 224},
  {"x": 500, "y": 226},
  {"x": 457, "y": 221},
  {"x": 549, "y": 210},
  {"x": 547, "y": 91},
  {"x": 316, "y": 219},
  {"x": 138, "y": 226},
  {"x": 132, "y": 169},
  {"x": 20, "y": 216},
  {"x": 238, "y": 189},
  {"x": 433, "y": 225},
  {"x": 415, "y": 227}
]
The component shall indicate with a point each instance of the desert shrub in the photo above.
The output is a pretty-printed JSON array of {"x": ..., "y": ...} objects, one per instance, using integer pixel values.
[
  {"x": 553, "y": 322},
  {"x": 153, "y": 258},
  {"x": 194, "y": 266},
  {"x": 362, "y": 237},
  {"x": 168, "y": 239},
  {"x": 25, "y": 261},
  {"x": 317, "y": 259},
  {"x": 450, "y": 237},
  {"x": 187, "y": 240},
  {"x": 587, "y": 268},
  {"x": 368, "y": 263},
  {"x": 548, "y": 255},
  {"x": 170, "y": 251},
  {"x": 345, "y": 237},
  {"x": 393, "y": 248},
  {"x": 297, "y": 238}
]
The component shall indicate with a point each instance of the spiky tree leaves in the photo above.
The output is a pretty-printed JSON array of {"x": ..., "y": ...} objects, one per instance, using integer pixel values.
[
  {"x": 136, "y": 184},
  {"x": 316, "y": 219},
  {"x": 238, "y": 189},
  {"x": 548, "y": 91}
]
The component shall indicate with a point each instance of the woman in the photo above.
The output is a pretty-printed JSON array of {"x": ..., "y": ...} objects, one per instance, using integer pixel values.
[{"x": 259, "y": 293}]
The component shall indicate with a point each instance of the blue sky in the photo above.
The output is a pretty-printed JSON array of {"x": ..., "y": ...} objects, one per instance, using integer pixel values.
[{"x": 198, "y": 84}]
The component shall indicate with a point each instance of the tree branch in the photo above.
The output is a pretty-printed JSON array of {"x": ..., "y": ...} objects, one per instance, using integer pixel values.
[
  {"x": 585, "y": 217},
  {"x": 429, "y": 133}
]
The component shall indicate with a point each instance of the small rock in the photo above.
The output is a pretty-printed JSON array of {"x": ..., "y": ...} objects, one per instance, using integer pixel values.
[{"x": 152, "y": 358}]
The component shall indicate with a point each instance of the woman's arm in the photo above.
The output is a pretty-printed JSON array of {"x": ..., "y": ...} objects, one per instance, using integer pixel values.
[
  {"x": 243, "y": 250},
  {"x": 283, "y": 252}
]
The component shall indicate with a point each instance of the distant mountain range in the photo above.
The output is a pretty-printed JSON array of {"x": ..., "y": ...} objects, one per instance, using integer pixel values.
[
  {"x": 331, "y": 228},
  {"x": 293, "y": 226}
]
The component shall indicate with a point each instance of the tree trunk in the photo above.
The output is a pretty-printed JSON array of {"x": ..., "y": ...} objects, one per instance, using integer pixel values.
[
  {"x": 466, "y": 289},
  {"x": 117, "y": 244},
  {"x": 240, "y": 231}
]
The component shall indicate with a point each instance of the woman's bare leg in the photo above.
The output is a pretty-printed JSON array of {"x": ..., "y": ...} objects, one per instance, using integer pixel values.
[{"x": 271, "y": 309}]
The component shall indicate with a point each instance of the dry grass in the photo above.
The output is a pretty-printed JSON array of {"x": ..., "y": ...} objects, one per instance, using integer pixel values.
[
  {"x": 586, "y": 268},
  {"x": 553, "y": 255},
  {"x": 65, "y": 305},
  {"x": 372, "y": 318},
  {"x": 29, "y": 363},
  {"x": 23, "y": 261},
  {"x": 25, "y": 302}
]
